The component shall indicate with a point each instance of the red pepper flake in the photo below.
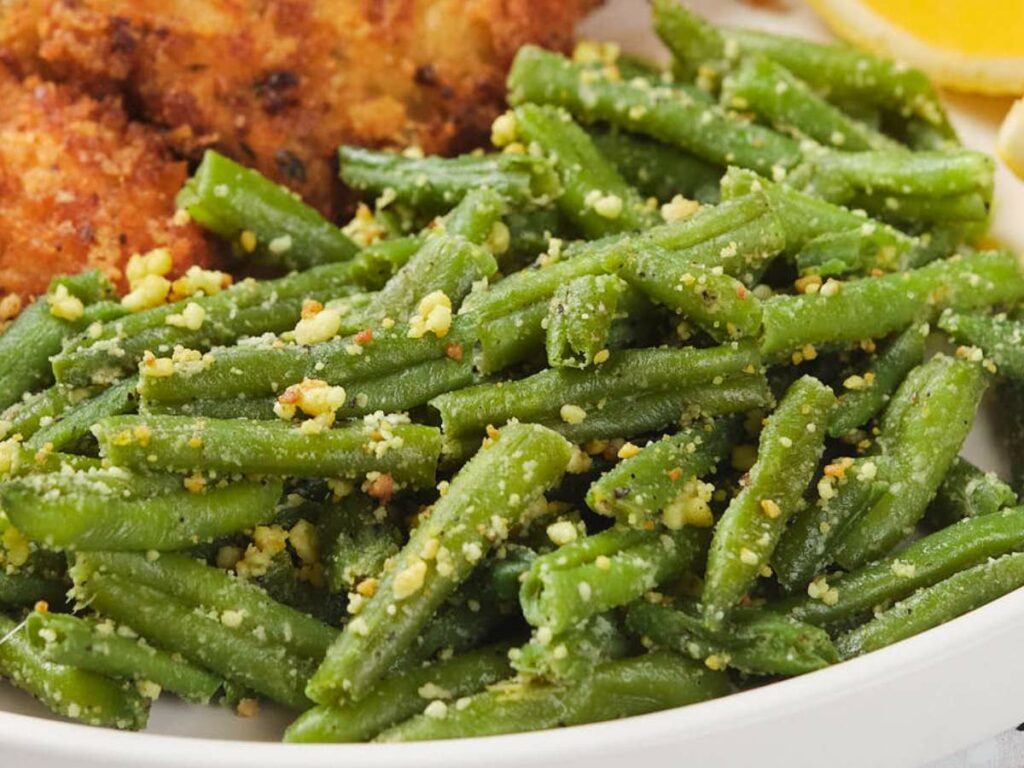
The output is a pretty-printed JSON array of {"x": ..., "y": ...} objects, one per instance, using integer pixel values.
[
  {"x": 382, "y": 488},
  {"x": 453, "y": 350},
  {"x": 675, "y": 474},
  {"x": 741, "y": 292},
  {"x": 364, "y": 337}
]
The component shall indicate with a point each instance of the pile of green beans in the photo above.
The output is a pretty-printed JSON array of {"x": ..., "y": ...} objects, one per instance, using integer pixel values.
[{"x": 633, "y": 409}]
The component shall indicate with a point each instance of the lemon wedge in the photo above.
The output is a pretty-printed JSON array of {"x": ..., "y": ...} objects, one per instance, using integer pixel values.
[
  {"x": 963, "y": 44},
  {"x": 1010, "y": 145}
]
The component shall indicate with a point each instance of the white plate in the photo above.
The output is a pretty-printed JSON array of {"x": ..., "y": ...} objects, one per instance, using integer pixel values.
[{"x": 903, "y": 706}]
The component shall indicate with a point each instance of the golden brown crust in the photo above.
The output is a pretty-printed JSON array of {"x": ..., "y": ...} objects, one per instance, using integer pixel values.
[
  {"x": 81, "y": 185},
  {"x": 281, "y": 83}
]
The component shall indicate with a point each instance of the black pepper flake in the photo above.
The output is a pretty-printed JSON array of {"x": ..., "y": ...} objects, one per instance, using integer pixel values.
[
  {"x": 621, "y": 493},
  {"x": 289, "y": 165},
  {"x": 425, "y": 74}
]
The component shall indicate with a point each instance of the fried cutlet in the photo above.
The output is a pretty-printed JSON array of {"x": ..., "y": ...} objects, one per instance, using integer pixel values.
[
  {"x": 279, "y": 84},
  {"x": 81, "y": 186}
]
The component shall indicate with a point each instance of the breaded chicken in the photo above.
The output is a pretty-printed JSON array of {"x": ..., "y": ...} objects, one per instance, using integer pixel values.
[
  {"x": 279, "y": 84},
  {"x": 80, "y": 185}
]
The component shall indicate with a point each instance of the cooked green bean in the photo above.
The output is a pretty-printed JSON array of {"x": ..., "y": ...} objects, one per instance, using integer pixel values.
[
  {"x": 866, "y": 395},
  {"x": 579, "y": 320},
  {"x": 772, "y": 92},
  {"x": 966, "y": 491},
  {"x": 490, "y": 493},
  {"x": 355, "y": 544},
  {"x": 249, "y": 308},
  {"x": 74, "y": 693},
  {"x": 656, "y": 169},
  {"x": 75, "y": 422},
  {"x": 663, "y": 113},
  {"x": 594, "y": 197},
  {"x": 718, "y": 303},
  {"x": 998, "y": 336},
  {"x": 596, "y": 573},
  {"x": 27, "y": 345},
  {"x": 195, "y": 583},
  {"x": 805, "y": 219},
  {"x": 661, "y": 482},
  {"x": 434, "y": 185},
  {"x": 109, "y": 509},
  {"x": 749, "y": 530},
  {"x": 942, "y": 602},
  {"x": 874, "y": 307},
  {"x": 100, "y": 648},
  {"x": 34, "y": 412},
  {"x": 923, "y": 563},
  {"x": 574, "y": 653},
  {"x": 925, "y": 440},
  {"x": 401, "y": 696},
  {"x": 408, "y": 452},
  {"x": 268, "y": 367},
  {"x": 752, "y": 641},
  {"x": 178, "y": 627},
  {"x": 620, "y": 688},
  {"x": 547, "y": 395},
  {"x": 230, "y": 200}
]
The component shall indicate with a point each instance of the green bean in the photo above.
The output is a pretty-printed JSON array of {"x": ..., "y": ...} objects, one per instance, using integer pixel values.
[
  {"x": 660, "y": 482},
  {"x": 808, "y": 544},
  {"x": 228, "y": 408},
  {"x": 603, "y": 571},
  {"x": 749, "y": 530},
  {"x": 966, "y": 491},
  {"x": 935, "y": 605},
  {"x": 448, "y": 262},
  {"x": 718, "y": 303},
  {"x": 267, "y": 367},
  {"x": 579, "y": 320},
  {"x": 631, "y": 416},
  {"x": 927, "y": 561},
  {"x": 195, "y": 583},
  {"x": 574, "y": 653},
  {"x": 408, "y": 452},
  {"x": 738, "y": 236},
  {"x": 16, "y": 460},
  {"x": 401, "y": 696},
  {"x": 656, "y": 169},
  {"x": 178, "y": 627},
  {"x": 997, "y": 335},
  {"x": 594, "y": 197},
  {"x": 630, "y": 372},
  {"x": 105, "y": 508},
  {"x": 354, "y": 543},
  {"x": 520, "y": 336},
  {"x": 621, "y": 688},
  {"x": 25, "y": 588},
  {"x": 925, "y": 441},
  {"x": 33, "y": 412},
  {"x": 663, "y": 113},
  {"x": 875, "y": 307},
  {"x": 293, "y": 586},
  {"x": 490, "y": 493},
  {"x": 839, "y": 175},
  {"x": 101, "y": 649},
  {"x": 909, "y": 211},
  {"x": 752, "y": 641},
  {"x": 74, "y": 693},
  {"x": 248, "y": 308},
  {"x": 229, "y": 199},
  {"x": 772, "y": 92},
  {"x": 27, "y": 345},
  {"x": 75, "y": 422},
  {"x": 804, "y": 219},
  {"x": 433, "y": 185},
  {"x": 842, "y": 72},
  {"x": 530, "y": 234},
  {"x": 866, "y": 395}
]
